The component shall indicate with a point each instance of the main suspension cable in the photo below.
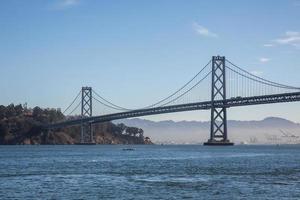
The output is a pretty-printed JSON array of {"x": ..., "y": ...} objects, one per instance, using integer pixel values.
[
  {"x": 75, "y": 108},
  {"x": 152, "y": 105},
  {"x": 264, "y": 80},
  {"x": 107, "y": 104},
  {"x": 259, "y": 81},
  {"x": 188, "y": 90},
  {"x": 116, "y": 107},
  {"x": 72, "y": 102},
  {"x": 112, "y": 105}
]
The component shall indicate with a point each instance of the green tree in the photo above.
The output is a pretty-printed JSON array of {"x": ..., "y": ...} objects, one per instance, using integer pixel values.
[
  {"x": 3, "y": 131},
  {"x": 132, "y": 131},
  {"x": 121, "y": 128},
  {"x": 19, "y": 109},
  {"x": 141, "y": 133},
  {"x": 37, "y": 112},
  {"x": 10, "y": 111},
  {"x": 2, "y": 111}
]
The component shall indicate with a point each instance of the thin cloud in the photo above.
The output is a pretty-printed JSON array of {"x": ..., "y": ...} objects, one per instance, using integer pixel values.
[
  {"x": 291, "y": 38},
  {"x": 203, "y": 31},
  {"x": 64, "y": 4},
  {"x": 264, "y": 60},
  {"x": 268, "y": 45}
]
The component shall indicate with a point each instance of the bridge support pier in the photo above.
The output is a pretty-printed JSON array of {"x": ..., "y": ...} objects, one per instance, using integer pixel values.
[
  {"x": 86, "y": 136},
  {"x": 218, "y": 128}
]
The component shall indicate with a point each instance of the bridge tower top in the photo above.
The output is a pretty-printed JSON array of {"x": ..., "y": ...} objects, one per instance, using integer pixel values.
[{"x": 86, "y": 102}]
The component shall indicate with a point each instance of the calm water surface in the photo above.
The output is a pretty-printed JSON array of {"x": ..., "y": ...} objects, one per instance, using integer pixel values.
[{"x": 149, "y": 172}]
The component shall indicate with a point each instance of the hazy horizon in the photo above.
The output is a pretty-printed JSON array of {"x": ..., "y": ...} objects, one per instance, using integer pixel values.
[{"x": 271, "y": 130}]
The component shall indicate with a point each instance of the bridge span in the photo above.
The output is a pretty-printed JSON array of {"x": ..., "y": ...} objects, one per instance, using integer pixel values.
[{"x": 263, "y": 92}]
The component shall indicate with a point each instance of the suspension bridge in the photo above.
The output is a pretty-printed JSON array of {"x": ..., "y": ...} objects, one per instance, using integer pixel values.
[{"x": 219, "y": 85}]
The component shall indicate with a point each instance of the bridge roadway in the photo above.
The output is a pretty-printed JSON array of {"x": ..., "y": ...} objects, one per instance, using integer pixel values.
[{"x": 205, "y": 105}]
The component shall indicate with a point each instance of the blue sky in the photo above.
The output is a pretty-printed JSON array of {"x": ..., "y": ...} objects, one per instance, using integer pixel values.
[{"x": 136, "y": 52}]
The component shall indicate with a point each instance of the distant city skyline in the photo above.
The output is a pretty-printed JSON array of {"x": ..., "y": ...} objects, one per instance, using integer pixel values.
[{"x": 137, "y": 52}]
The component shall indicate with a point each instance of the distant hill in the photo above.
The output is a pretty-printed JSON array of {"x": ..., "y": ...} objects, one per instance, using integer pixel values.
[{"x": 268, "y": 130}]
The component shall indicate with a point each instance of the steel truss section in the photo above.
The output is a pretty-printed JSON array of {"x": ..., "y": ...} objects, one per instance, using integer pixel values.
[{"x": 205, "y": 105}]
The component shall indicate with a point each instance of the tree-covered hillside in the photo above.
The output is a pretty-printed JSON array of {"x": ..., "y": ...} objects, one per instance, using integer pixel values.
[{"x": 22, "y": 125}]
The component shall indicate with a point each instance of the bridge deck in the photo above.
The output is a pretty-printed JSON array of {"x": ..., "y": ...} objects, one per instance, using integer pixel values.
[{"x": 233, "y": 102}]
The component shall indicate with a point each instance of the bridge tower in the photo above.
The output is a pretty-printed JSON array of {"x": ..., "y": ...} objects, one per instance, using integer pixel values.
[
  {"x": 86, "y": 136},
  {"x": 218, "y": 126}
]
